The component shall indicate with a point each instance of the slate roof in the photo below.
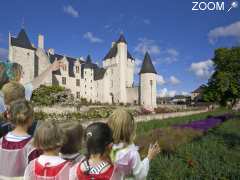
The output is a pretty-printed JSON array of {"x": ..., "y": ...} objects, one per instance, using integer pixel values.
[
  {"x": 98, "y": 72},
  {"x": 147, "y": 66},
  {"x": 70, "y": 60},
  {"x": 113, "y": 51},
  {"x": 199, "y": 89},
  {"x": 122, "y": 39},
  {"x": 22, "y": 40}
]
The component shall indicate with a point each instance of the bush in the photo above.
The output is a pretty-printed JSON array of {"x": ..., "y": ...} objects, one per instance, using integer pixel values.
[
  {"x": 50, "y": 95},
  {"x": 159, "y": 110}
]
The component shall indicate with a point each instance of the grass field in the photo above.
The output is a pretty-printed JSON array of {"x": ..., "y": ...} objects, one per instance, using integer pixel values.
[{"x": 214, "y": 155}]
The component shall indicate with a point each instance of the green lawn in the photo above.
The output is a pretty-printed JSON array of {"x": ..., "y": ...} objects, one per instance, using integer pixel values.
[{"x": 216, "y": 155}]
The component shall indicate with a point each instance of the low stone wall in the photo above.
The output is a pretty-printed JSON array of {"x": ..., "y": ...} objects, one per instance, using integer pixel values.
[
  {"x": 154, "y": 116},
  {"x": 166, "y": 115}
]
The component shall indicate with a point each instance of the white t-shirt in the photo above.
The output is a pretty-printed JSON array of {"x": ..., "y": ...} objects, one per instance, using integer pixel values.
[
  {"x": 28, "y": 94},
  {"x": 15, "y": 138}
]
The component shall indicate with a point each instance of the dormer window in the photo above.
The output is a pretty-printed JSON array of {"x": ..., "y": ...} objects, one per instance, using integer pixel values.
[
  {"x": 64, "y": 67},
  {"x": 77, "y": 69}
]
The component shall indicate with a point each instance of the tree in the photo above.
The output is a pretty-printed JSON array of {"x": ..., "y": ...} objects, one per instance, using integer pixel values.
[{"x": 224, "y": 84}]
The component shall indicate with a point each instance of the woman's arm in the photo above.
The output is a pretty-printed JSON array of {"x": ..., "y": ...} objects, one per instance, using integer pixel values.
[{"x": 48, "y": 72}]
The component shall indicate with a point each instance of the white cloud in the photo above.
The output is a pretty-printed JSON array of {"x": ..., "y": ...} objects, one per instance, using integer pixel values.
[
  {"x": 71, "y": 11},
  {"x": 173, "y": 80},
  {"x": 172, "y": 52},
  {"x": 160, "y": 80},
  {"x": 89, "y": 36},
  {"x": 232, "y": 30},
  {"x": 172, "y": 56},
  {"x": 202, "y": 69},
  {"x": 145, "y": 45},
  {"x": 184, "y": 93},
  {"x": 166, "y": 93},
  {"x": 146, "y": 21},
  {"x": 3, "y": 53}
]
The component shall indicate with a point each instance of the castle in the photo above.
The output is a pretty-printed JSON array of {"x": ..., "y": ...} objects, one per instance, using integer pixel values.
[{"x": 111, "y": 83}]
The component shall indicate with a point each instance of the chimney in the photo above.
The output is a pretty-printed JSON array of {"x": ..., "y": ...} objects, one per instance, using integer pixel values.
[
  {"x": 40, "y": 41},
  {"x": 51, "y": 51},
  {"x": 113, "y": 43}
]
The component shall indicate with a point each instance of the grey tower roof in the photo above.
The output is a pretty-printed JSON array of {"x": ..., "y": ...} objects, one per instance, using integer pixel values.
[
  {"x": 22, "y": 40},
  {"x": 147, "y": 66},
  {"x": 113, "y": 51},
  {"x": 122, "y": 39}
]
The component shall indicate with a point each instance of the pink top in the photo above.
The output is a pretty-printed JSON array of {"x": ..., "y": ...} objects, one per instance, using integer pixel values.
[{"x": 17, "y": 155}]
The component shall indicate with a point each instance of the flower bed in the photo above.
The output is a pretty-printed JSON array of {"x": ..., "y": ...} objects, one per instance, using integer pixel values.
[{"x": 205, "y": 124}]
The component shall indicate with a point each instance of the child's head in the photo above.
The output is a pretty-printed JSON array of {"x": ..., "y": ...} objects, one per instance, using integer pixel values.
[
  {"x": 98, "y": 138},
  {"x": 123, "y": 126},
  {"x": 73, "y": 131},
  {"x": 21, "y": 113},
  {"x": 16, "y": 72},
  {"x": 13, "y": 91},
  {"x": 3, "y": 74},
  {"x": 48, "y": 137}
]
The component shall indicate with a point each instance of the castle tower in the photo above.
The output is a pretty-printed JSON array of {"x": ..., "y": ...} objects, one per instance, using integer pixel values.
[
  {"x": 22, "y": 52},
  {"x": 148, "y": 83},
  {"x": 122, "y": 52},
  {"x": 88, "y": 79},
  {"x": 120, "y": 66}
]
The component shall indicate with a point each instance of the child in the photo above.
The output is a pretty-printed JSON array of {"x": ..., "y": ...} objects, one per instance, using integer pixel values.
[
  {"x": 71, "y": 148},
  {"x": 97, "y": 164},
  {"x": 124, "y": 152},
  {"x": 49, "y": 138},
  {"x": 15, "y": 148}
]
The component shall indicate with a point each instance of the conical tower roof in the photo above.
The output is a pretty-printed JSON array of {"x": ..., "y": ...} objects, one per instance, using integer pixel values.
[
  {"x": 22, "y": 40},
  {"x": 147, "y": 66},
  {"x": 122, "y": 39}
]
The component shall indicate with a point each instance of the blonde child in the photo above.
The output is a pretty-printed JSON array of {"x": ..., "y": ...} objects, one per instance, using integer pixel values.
[
  {"x": 124, "y": 153},
  {"x": 15, "y": 147},
  {"x": 49, "y": 138},
  {"x": 73, "y": 131},
  {"x": 97, "y": 164}
]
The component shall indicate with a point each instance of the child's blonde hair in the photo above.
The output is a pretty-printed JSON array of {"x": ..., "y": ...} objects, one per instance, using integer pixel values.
[
  {"x": 13, "y": 91},
  {"x": 16, "y": 72},
  {"x": 3, "y": 74},
  {"x": 73, "y": 131},
  {"x": 48, "y": 136},
  {"x": 21, "y": 112},
  {"x": 123, "y": 126}
]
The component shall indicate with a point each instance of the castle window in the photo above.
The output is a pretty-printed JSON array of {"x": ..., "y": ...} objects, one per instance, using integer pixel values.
[
  {"x": 77, "y": 82},
  {"x": 85, "y": 92},
  {"x": 77, "y": 69},
  {"x": 91, "y": 87},
  {"x": 64, "y": 67},
  {"x": 28, "y": 54},
  {"x": 78, "y": 95},
  {"x": 91, "y": 81},
  {"x": 85, "y": 86},
  {"x": 64, "y": 80}
]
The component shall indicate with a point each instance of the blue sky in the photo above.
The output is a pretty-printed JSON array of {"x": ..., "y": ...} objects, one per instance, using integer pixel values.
[{"x": 181, "y": 42}]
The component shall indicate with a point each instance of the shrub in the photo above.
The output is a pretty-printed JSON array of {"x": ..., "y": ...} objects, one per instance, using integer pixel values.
[
  {"x": 159, "y": 110},
  {"x": 46, "y": 95}
]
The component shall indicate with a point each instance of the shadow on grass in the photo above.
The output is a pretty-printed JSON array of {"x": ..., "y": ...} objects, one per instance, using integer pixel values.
[{"x": 230, "y": 139}]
